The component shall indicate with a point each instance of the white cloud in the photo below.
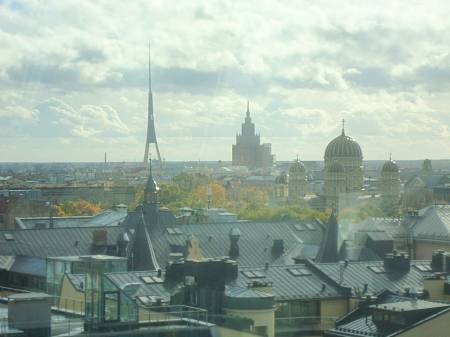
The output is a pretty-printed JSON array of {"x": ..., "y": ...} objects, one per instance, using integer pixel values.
[{"x": 76, "y": 70}]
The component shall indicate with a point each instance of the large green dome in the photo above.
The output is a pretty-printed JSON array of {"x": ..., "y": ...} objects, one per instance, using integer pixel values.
[
  {"x": 343, "y": 146},
  {"x": 296, "y": 167},
  {"x": 390, "y": 166}
]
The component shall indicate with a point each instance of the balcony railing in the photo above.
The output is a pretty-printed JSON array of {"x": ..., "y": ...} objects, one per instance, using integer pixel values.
[{"x": 304, "y": 323}]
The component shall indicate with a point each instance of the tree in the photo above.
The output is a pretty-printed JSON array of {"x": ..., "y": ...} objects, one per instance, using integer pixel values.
[{"x": 77, "y": 208}]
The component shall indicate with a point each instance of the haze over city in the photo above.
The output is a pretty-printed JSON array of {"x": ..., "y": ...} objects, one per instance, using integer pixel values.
[{"x": 73, "y": 78}]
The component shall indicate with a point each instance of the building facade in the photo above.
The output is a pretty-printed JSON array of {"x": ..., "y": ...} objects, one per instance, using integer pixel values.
[{"x": 248, "y": 150}]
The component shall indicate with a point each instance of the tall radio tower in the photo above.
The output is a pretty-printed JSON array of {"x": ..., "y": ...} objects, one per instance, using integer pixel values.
[{"x": 151, "y": 133}]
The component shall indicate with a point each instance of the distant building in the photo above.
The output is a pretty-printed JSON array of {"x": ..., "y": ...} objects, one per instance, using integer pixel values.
[
  {"x": 343, "y": 169},
  {"x": 280, "y": 190},
  {"x": 390, "y": 187},
  {"x": 393, "y": 315},
  {"x": 297, "y": 183},
  {"x": 248, "y": 150}
]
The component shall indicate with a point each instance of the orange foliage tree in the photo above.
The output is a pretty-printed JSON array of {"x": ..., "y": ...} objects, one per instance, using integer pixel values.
[{"x": 77, "y": 207}]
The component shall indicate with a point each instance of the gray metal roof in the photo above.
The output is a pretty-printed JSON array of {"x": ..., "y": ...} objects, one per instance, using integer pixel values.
[
  {"x": 360, "y": 322},
  {"x": 109, "y": 217},
  {"x": 255, "y": 241},
  {"x": 53, "y": 242},
  {"x": 138, "y": 286},
  {"x": 288, "y": 285},
  {"x": 433, "y": 224},
  {"x": 356, "y": 274}
]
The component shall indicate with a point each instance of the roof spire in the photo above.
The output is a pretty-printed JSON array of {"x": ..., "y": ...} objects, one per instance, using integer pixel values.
[
  {"x": 248, "y": 109},
  {"x": 343, "y": 127},
  {"x": 390, "y": 156},
  {"x": 297, "y": 157}
]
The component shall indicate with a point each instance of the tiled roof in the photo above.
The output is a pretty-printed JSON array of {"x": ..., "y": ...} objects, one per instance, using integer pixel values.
[{"x": 356, "y": 274}]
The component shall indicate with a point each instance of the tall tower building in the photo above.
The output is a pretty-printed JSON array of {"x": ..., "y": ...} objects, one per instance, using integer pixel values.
[
  {"x": 151, "y": 133},
  {"x": 248, "y": 150},
  {"x": 390, "y": 187}
]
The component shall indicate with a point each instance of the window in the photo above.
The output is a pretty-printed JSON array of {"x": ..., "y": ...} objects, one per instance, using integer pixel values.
[
  {"x": 253, "y": 274},
  {"x": 423, "y": 267},
  {"x": 174, "y": 230},
  {"x": 299, "y": 227},
  {"x": 311, "y": 227},
  {"x": 299, "y": 271},
  {"x": 151, "y": 279},
  {"x": 377, "y": 269},
  {"x": 8, "y": 236}
]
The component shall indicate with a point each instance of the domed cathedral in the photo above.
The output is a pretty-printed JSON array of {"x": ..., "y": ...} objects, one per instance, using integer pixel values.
[
  {"x": 343, "y": 170},
  {"x": 390, "y": 187},
  {"x": 297, "y": 183}
]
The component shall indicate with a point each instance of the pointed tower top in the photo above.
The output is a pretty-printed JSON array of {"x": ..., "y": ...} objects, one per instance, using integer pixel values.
[
  {"x": 329, "y": 250},
  {"x": 390, "y": 156},
  {"x": 248, "y": 109},
  {"x": 149, "y": 69},
  {"x": 343, "y": 127}
]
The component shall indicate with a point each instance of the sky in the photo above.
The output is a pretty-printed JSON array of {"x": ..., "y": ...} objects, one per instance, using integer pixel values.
[{"x": 73, "y": 77}]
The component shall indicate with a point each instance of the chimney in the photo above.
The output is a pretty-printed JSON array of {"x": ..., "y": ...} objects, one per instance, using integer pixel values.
[
  {"x": 440, "y": 261},
  {"x": 396, "y": 261},
  {"x": 99, "y": 237},
  {"x": 234, "y": 236},
  {"x": 278, "y": 247}
]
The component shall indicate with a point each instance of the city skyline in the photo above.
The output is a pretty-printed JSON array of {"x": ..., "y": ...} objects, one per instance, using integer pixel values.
[{"x": 67, "y": 85}]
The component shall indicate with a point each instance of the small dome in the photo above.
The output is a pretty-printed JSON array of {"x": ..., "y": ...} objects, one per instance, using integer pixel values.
[
  {"x": 336, "y": 167},
  {"x": 390, "y": 166},
  {"x": 235, "y": 232},
  {"x": 281, "y": 179},
  {"x": 343, "y": 146},
  {"x": 296, "y": 167}
]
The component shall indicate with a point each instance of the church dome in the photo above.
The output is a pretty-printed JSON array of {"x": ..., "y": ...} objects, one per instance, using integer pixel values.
[
  {"x": 296, "y": 167},
  {"x": 343, "y": 146},
  {"x": 281, "y": 179},
  {"x": 336, "y": 167},
  {"x": 390, "y": 166}
]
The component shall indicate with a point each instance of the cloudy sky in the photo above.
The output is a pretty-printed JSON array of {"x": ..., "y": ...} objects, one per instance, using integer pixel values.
[{"x": 73, "y": 77}]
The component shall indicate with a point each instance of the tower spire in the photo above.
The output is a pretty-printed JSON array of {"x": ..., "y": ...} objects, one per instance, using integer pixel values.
[
  {"x": 248, "y": 109},
  {"x": 343, "y": 127},
  {"x": 151, "y": 133},
  {"x": 390, "y": 156},
  {"x": 149, "y": 69}
]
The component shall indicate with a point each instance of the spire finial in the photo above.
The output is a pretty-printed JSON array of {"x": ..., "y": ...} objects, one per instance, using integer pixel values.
[
  {"x": 343, "y": 126},
  {"x": 390, "y": 156},
  {"x": 248, "y": 109},
  {"x": 297, "y": 158},
  {"x": 149, "y": 69}
]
